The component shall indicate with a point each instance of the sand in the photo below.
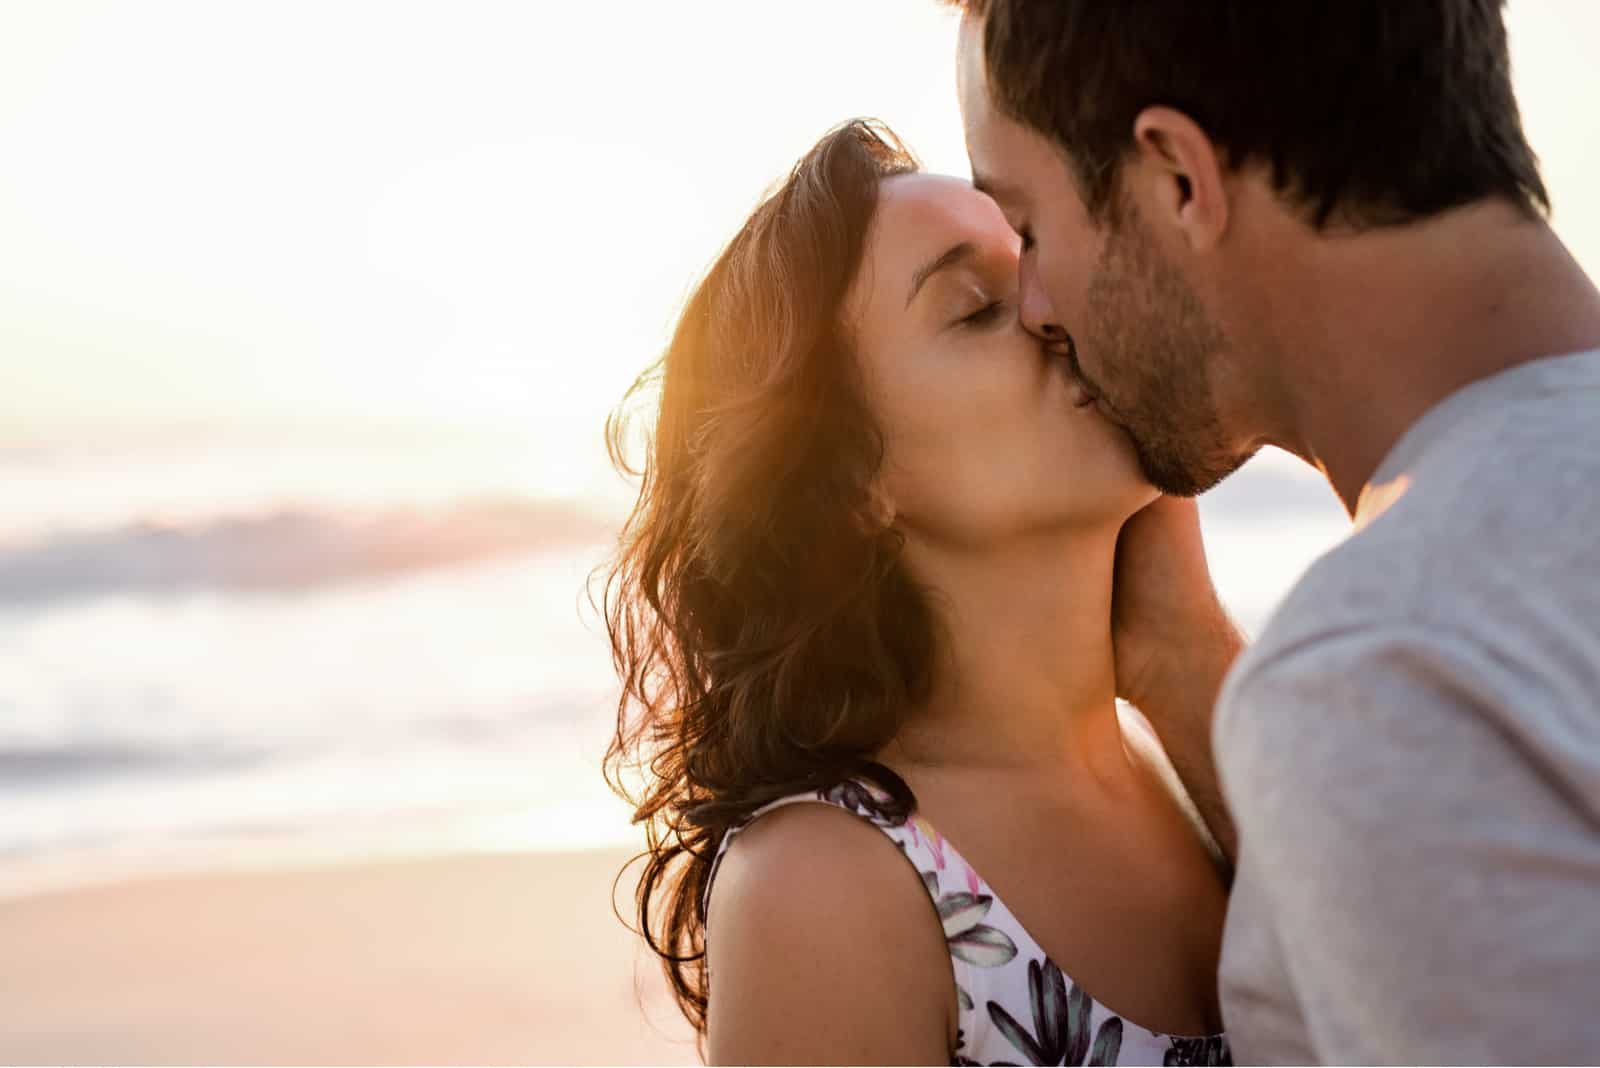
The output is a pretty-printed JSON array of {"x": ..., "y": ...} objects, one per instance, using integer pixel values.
[{"x": 469, "y": 959}]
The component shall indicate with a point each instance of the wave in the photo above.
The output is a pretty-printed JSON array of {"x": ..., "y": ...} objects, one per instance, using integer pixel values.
[
  {"x": 95, "y": 760},
  {"x": 288, "y": 550},
  {"x": 306, "y": 546}
]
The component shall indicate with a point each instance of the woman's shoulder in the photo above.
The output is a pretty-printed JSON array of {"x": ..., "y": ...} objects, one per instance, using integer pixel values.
[
  {"x": 797, "y": 857},
  {"x": 800, "y": 843},
  {"x": 817, "y": 941},
  {"x": 842, "y": 827}
]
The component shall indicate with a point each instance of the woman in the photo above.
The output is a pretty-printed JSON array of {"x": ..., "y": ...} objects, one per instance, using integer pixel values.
[{"x": 862, "y": 614}]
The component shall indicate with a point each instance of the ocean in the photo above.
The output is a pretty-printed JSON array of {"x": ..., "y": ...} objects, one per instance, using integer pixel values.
[{"x": 264, "y": 651}]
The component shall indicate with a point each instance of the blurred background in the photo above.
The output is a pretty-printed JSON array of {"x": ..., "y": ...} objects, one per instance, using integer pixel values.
[{"x": 310, "y": 318}]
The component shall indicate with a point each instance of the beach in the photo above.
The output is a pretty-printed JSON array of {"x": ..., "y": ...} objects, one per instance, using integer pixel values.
[
  {"x": 464, "y": 959},
  {"x": 231, "y": 707}
]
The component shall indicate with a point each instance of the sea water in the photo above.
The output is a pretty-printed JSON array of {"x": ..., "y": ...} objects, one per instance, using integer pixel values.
[{"x": 250, "y": 655}]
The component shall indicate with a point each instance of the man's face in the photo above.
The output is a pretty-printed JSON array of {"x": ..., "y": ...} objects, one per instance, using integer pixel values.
[{"x": 1139, "y": 337}]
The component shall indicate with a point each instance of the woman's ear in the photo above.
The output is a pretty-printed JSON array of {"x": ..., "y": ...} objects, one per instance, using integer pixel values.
[
  {"x": 1177, "y": 177},
  {"x": 879, "y": 512}
]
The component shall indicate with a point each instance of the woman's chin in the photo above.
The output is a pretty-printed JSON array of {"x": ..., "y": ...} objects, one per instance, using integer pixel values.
[
  {"x": 1123, "y": 488},
  {"x": 1144, "y": 494},
  {"x": 1133, "y": 498},
  {"x": 1111, "y": 502}
]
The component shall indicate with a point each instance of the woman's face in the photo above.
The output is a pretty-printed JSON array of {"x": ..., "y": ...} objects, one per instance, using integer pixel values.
[{"x": 988, "y": 437}]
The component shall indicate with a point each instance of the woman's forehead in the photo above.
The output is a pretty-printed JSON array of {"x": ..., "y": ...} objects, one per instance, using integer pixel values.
[
  {"x": 921, "y": 216},
  {"x": 923, "y": 210}
]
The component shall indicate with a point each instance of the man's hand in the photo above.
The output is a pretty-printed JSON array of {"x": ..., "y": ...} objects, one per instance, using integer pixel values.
[
  {"x": 1166, "y": 619},
  {"x": 1174, "y": 644}
]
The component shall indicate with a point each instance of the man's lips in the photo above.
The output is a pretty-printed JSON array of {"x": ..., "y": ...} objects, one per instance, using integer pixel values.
[{"x": 1068, "y": 351}]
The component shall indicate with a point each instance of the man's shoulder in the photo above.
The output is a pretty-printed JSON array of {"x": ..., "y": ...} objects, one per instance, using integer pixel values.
[
  {"x": 1488, "y": 543},
  {"x": 1493, "y": 508}
]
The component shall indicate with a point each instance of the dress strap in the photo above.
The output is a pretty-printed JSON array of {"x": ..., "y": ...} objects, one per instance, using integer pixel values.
[{"x": 1014, "y": 1004}]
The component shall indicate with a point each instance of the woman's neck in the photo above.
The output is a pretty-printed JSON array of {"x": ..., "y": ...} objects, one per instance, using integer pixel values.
[{"x": 1025, "y": 676}]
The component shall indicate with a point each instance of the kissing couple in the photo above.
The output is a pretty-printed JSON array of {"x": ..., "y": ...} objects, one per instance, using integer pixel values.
[{"x": 914, "y": 515}]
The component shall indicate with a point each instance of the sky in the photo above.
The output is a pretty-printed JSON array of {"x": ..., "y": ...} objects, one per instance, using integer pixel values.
[{"x": 473, "y": 217}]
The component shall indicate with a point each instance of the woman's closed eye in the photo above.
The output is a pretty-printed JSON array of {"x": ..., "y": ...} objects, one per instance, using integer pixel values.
[{"x": 984, "y": 315}]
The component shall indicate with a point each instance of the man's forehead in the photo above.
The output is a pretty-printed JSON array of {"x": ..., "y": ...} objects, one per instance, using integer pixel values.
[
  {"x": 982, "y": 121},
  {"x": 971, "y": 77},
  {"x": 994, "y": 150}
]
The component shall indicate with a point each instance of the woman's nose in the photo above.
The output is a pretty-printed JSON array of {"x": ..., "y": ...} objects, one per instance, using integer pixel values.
[{"x": 1038, "y": 318}]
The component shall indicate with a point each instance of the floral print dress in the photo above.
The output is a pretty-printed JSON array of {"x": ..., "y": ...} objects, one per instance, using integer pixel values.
[{"x": 1016, "y": 1007}]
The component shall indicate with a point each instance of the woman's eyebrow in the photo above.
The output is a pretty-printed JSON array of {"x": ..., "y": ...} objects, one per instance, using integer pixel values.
[{"x": 955, "y": 254}]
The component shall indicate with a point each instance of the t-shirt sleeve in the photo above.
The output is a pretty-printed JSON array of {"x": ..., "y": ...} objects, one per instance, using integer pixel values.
[{"x": 1431, "y": 878}]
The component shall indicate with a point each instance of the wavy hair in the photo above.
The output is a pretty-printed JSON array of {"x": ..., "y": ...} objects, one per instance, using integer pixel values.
[{"x": 767, "y": 637}]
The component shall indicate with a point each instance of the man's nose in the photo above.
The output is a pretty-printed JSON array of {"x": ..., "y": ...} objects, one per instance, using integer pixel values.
[{"x": 1038, "y": 317}]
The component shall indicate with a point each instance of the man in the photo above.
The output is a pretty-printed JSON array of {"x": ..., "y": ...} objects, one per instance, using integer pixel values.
[{"x": 1319, "y": 226}]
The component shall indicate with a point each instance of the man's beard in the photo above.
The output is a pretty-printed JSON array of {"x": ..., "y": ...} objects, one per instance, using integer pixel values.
[{"x": 1153, "y": 345}]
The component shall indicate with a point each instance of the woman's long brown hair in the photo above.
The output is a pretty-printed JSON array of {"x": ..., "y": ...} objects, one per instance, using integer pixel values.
[{"x": 766, "y": 635}]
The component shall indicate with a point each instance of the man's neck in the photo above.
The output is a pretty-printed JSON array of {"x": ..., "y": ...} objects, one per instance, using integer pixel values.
[{"x": 1395, "y": 320}]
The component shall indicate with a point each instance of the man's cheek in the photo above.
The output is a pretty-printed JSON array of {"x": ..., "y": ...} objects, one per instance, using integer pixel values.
[{"x": 1065, "y": 288}]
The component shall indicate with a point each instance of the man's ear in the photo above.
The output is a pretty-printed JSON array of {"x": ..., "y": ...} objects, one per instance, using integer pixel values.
[{"x": 1178, "y": 174}]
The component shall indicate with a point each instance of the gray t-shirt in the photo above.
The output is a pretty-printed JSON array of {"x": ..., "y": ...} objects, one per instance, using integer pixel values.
[{"x": 1412, "y": 754}]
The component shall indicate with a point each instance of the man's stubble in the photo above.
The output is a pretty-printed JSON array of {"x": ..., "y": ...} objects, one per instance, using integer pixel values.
[{"x": 1154, "y": 348}]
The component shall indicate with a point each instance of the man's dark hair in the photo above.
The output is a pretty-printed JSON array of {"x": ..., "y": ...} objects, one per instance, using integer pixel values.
[{"x": 1368, "y": 112}]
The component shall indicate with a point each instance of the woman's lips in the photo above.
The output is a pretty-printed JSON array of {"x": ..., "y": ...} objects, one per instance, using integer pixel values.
[
  {"x": 1083, "y": 394},
  {"x": 1077, "y": 371}
]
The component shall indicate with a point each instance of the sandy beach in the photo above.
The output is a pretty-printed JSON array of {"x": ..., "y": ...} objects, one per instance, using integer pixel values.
[{"x": 463, "y": 959}]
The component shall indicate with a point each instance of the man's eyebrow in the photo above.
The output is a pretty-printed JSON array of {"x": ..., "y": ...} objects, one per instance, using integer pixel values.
[
  {"x": 952, "y": 255},
  {"x": 992, "y": 187}
]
